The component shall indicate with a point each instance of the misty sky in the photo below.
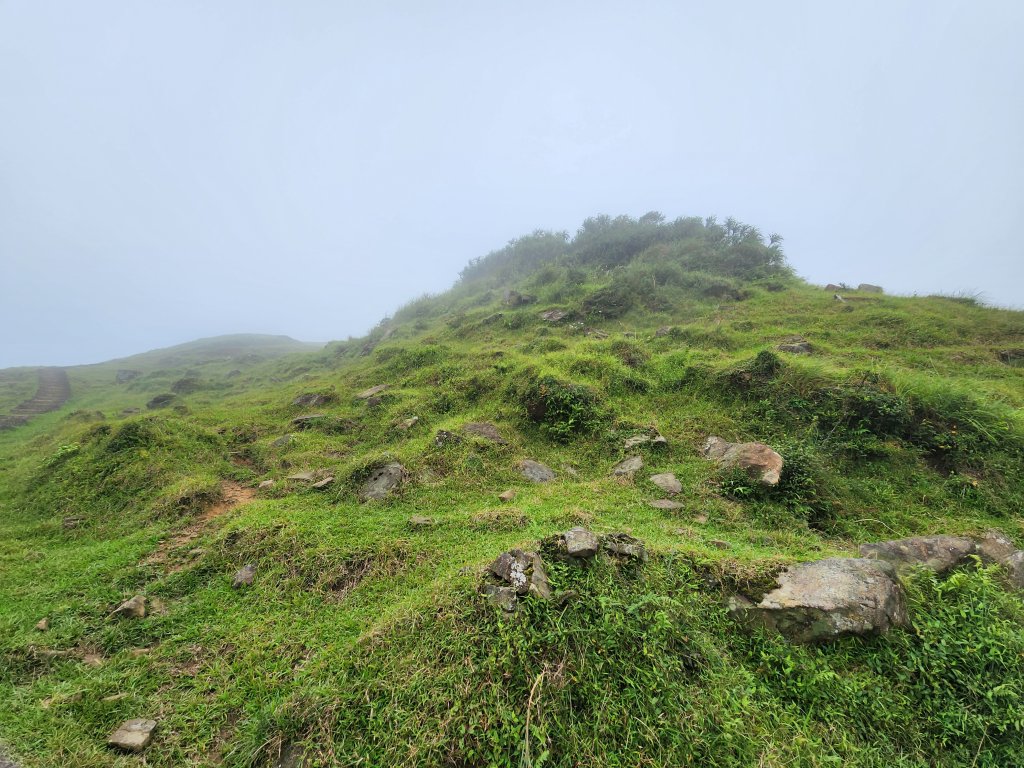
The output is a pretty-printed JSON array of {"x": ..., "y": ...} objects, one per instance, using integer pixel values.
[{"x": 171, "y": 170}]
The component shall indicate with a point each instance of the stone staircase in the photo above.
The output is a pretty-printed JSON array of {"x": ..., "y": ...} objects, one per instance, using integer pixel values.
[{"x": 54, "y": 390}]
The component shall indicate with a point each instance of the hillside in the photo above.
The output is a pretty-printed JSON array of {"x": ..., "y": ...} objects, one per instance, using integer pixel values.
[{"x": 293, "y": 619}]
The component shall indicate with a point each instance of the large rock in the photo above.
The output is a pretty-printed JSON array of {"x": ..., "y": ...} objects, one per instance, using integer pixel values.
[
  {"x": 937, "y": 553},
  {"x": 756, "y": 459},
  {"x": 869, "y": 288},
  {"x": 536, "y": 472},
  {"x": 668, "y": 482},
  {"x": 995, "y": 547},
  {"x": 1015, "y": 569},
  {"x": 628, "y": 466},
  {"x": 638, "y": 440},
  {"x": 383, "y": 481},
  {"x": 579, "y": 542},
  {"x": 133, "y": 735},
  {"x": 826, "y": 599},
  {"x": 625, "y": 546},
  {"x": 523, "y": 571}
]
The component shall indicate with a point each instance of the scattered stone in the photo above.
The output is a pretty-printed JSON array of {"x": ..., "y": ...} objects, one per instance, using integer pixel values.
[
  {"x": 995, "y": 547},
  {"x": 69, "y": 523},
  {"x": 826, "y": 599},
  {"x": 700, "y": 519},
  {"x": 668, "y": 482},
  {"x": 408, "y": 423},
  {"x": 306, "y": 476},
  {"x": 869, "y": 288},
  {"x": 502, "y": 597},
  {"x": 130, "y": 411},
  {"x": 595, "y": 333},
  {"x": 383, "y": 481},
  {"x": 321, "y": 484},
  {"x": 624, "y": 545},
  {"x": 508, "y": 495},
  {"x": 308, "y": 420},
  {"x": 160, "y": 401},
  {"x": 554, "y": 315},
  {"x": 244, "y": 576},
  {"x": 314, "y": 399},
  {"x": 665, "y": 330},
  {"x": 719, "y": 544},
  {"x": 419, "y": 521},
  {"x": 839, "y": 298},
  {"x": 536, "y": 472},
  {"x": 833, "y": 287},
  {"x": 638, "y": 440},
  {"x": 186, "y": 386},
  {"x": 42, "y": 625},
  {"x": 523, "y": 571},
  {"x": 445, "y": 438},
  {"x": 757, "y": 459},
  {"x": 133, "y": 735},
  {"x": 374, "y": 402},
  {"x": 628, "y": 466},
  {"x": 579, "y": 542},
  {"x": 366, "y": 394},
  {"x": 937, "y": 553},
  {"x": 796, "y": 348},
  {"x": 666, "y": 504},
  {"x": 282, "y": 441},
  {"x": 265, "y": 485},
  {"x": 135, "y": 608},
  {"x": 485, "y": 430},
  {"x": 517, "y": 299}
]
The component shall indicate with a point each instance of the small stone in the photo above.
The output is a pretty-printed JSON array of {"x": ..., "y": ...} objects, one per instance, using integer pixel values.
[
  {"x": 1015, "y": 569},
  {"x": 137, "y": 652},
  {"x": 307, "y": 421},
  {"x": 419, "y": 521},
  {"x": 92, "y": 660},
  {"x": 68, "y": 523},
  {"x": 798, "y": 348},
  {"x": 282, "y": 441},
  {"x": 314, "y": 399},
  {"x": 668, "y": 482},
  {"x": 445, "y": 438},
  {"x": 869, "y": 288},
  {"x": 133, "y": 735},
  {"x": 719, "y": 544},
  {"x": 700, "y": 519},
  {"x": 383, "y": 481},
  {"x": 366, "y": 394},
  {"x": 485, "y": 430},
  {"x": 995, "y": 547},
  {"x": 244, "y": 576},
  {"x": 756, "y": 459},
  {"x": 135, "y": 608},
  {"x": 408, "y": 423},
  {"x": 503, "y": 597},
  {"x": 508, "y": 495},
  {"x": 628, "y": 466},
  {"x": 624, "y": 545},
  {"x": 579, "y": 542},
  {"x": 306, "y": 476},
  {"x": 42, "y": 625},
  {"x": 536, "y": 472},
  {"x": 665, "y": 330},
  {"x": 665, "y": 504},
  {"x": 265, "y": 485},
  {"x": 320, "y": 484}
]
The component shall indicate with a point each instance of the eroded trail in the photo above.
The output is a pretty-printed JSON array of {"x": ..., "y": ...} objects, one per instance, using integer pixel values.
[{"x": 54, "y": 390}]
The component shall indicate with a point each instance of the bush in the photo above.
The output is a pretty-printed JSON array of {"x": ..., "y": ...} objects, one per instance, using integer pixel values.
[{"x": 561, "y": 409}]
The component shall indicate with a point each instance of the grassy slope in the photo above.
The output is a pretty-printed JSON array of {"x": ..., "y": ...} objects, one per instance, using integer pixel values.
[{"x": 362, "y": 639}]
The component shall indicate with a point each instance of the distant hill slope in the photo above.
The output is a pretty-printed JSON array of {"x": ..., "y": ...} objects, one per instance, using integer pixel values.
[
  {"x": 311, "y": 532},
  {"x": 242, "y": 347}
]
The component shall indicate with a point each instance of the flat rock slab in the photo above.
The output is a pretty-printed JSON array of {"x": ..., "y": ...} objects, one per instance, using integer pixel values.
[
  {"x": 758, "y": 460},
  {"x": 937, "y": 553},
  {"x": 133, "y": 735},
  {"x": 579, "y": 542},
  {"x": 244, "y": 576},
  {"x": 306, "y": 476},
  {"x": 826, "y": 599},
  {"x": 796, "y": 348},
  {"x": 666, "y": 504},
  {"x": 383, "y": 481},
  {"x": 485, "y": 430},
  {"x": 536, "y": 472},
  {"x": 554, "y": 315},
  {"x": 628, "y": 466},
  {"x": 419, "y": 521},
  {"x": 314, "y": 399},
  {"x": 668, "y": 482},
  {"x": 321, "y": 484},
  {"x": 366, "y": 394},
  {"x": 638, "y": 440}
]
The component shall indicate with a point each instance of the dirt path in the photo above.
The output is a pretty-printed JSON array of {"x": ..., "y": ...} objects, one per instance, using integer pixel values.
[
  {"x": 173, "y": 553},
  {"x": 54, "y": 390}
]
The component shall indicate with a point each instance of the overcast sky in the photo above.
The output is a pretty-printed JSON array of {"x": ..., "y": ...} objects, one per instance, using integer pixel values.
[{"x": 171, "y": 170}]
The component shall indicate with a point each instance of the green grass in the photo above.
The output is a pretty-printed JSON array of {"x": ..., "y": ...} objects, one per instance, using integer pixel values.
[{"x": 363, "y": 641}]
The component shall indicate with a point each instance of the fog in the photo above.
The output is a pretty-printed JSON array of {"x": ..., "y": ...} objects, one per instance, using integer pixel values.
[{"x": 171, "y": 170}]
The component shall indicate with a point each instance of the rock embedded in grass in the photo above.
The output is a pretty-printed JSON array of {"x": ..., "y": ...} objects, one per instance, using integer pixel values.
[
  {"x": 133, "y": 735},
  {"x": 536, "y": 472},
  {"x": 826, "y": 599},
  {"x": 580, "y": 543},
  {"x": 321, "y": 484},
  {"x": 638, "y": 440},
  {"x": 314, "y": 399},
  {"x": 366, "y": 394},
  {"x": 758, "y": 460},
  {"x": 623, "y": 545},
  {"x": 420, "y": 521},
  {"x": 796, "y": 348},
  {"x": 668, "y": 482},
  {"x": 508, "y": 495},
  {"x": 42, "y": 625},
  {"x": 665, "y": 504},
  {"x": 486, "y": 430},
  {"x": 628, "y": 466},
  {"x": 244, "y": 576},
  {"x": 383, "y": 481},
  {"x": 937, "y": 553},
  {"x": 134, "y": 608}
]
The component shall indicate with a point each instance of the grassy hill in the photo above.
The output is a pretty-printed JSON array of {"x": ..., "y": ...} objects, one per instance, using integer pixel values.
[{"x": 362, "y": 639}]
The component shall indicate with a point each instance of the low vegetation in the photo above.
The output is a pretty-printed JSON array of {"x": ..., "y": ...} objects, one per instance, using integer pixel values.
[{"x": 362, "y": 639}]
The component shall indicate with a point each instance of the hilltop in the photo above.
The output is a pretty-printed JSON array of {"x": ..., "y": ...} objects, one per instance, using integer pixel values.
[{"x": 311, "y": 531}]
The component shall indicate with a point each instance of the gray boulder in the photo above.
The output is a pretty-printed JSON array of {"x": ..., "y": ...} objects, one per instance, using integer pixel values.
[
  {"x": 869, "y": 288},
  {"x": 536, "y": 472},
  {"x": 827, "y": 599},
  {"x": 796, "y": 348},
  {"x": 523, "y": 571},
  {"x": 638, "y": 440},
  {"x": 1015, "y": 569},
  {"x": 579, "y": 542},
  {"x": 314, "y": 399},
  {"x": 628, "y": 466},
  {"x": 244, "y": 576},
  {"x": 383, "y": 481},
  {"x": 504, "y": 598},
  {"x": 758, "y": 460},
  {"x": 995, "y": 547},
  {"x": 624, "y": 546},
  {"x": 937, "y": 553},
  {"x": 554, "y": 315},
  {"x": 668, "y": 482}
]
